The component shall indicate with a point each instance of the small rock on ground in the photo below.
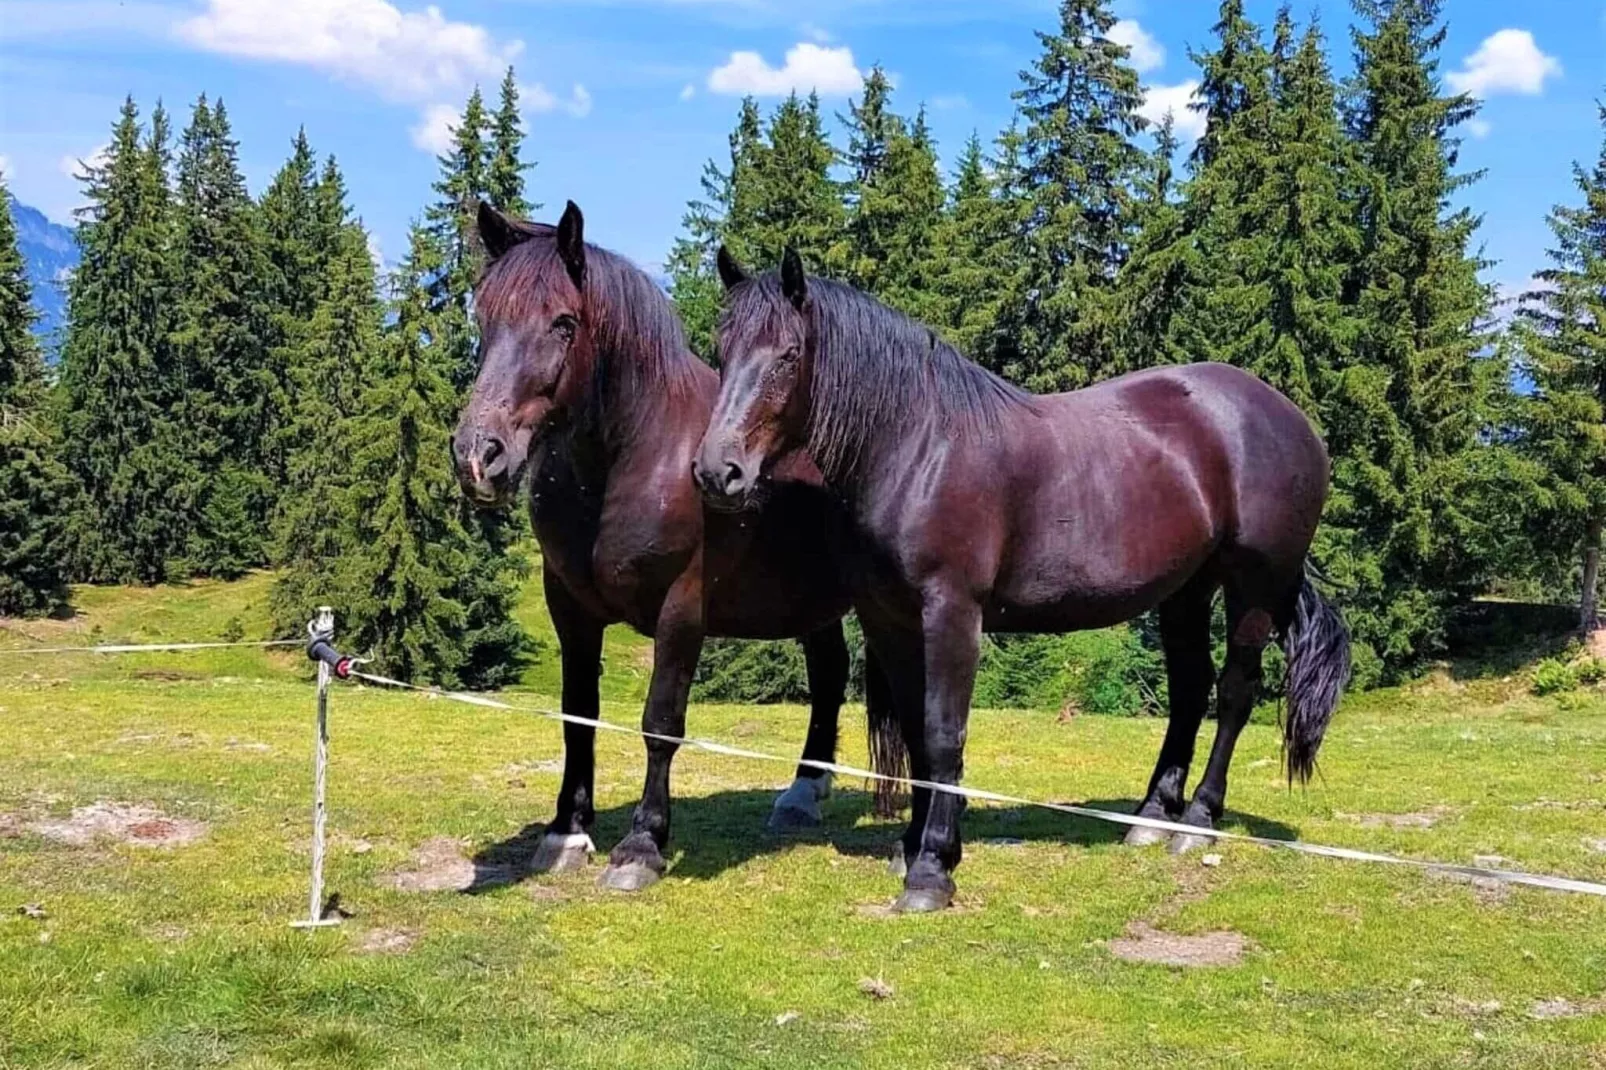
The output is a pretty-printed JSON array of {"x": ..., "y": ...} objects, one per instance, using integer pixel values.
[{"x": 1143, "y": 943}]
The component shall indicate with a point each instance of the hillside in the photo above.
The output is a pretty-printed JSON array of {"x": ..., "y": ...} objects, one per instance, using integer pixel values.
[{"x": 51, "y": 253}]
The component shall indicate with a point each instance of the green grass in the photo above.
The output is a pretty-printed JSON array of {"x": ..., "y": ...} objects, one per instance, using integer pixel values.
[{"x": 183, "y": 957}]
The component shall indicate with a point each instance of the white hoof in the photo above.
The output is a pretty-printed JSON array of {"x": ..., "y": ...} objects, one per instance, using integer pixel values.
[
  {"x": 562, "y": 853},
  {"x": 1143, "y": 836},
  {"x": 798, "y": 807}
]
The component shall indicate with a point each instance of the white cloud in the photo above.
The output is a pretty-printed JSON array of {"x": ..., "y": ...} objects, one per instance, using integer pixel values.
[
  {"x": 411, "y": 56},
  {"x": 1507, "y": 62},
  {"x": 1145, "y": 53},
  {"x": 688, "y": 91},
  {"x": 815, "y": 33},
  {"x": 72, "y": 165},
  {"x": 829, "y": 71},
  {"x": 434, "y": 129},
  {"x": 376, "y": 252},
  {"x": 1158, "y": 100},
  {"x": 579, "y": 103},
  {"x": 5, "y": 167},
  {"x": 1479, "y": 128}
]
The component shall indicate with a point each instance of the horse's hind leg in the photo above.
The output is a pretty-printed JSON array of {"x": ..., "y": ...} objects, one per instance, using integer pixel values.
[
  {"x": 1249, "y": 629},
  {"x": 1185, "y": 635},
  {"x": 827, "y": 655}
]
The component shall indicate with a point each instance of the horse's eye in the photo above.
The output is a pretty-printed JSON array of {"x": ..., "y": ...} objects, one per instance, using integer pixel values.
[
  {"x": 565, "y": 326},
  {"x": 790, "y": 355}
]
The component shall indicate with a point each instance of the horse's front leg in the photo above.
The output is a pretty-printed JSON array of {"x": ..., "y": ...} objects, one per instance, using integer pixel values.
[
  {"x": 638, "y": 860},
  {"x": 951, "y": 626},
  {"x": 826, "y": 652},
  {"x": 567, "y": 842}
]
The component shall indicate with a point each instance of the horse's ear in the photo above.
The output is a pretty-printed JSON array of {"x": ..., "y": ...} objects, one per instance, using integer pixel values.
[
  {"x": 498, "y": 233},
  {"x": 572, "y": 243},
  {"x": 794, "y": 283},
  {"x": 731, "y": 273}
]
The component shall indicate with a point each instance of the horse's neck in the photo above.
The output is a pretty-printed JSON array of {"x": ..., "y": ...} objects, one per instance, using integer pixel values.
[{"x": 636, "y": 399}]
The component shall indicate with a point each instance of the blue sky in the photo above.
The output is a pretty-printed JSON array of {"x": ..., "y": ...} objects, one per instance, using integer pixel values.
[{"x": 627, "y": 98}]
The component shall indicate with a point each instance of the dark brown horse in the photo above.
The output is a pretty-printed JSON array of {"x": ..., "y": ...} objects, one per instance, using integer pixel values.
[
  {"x": 985, "y": 508},
  {"x": 586, "y": 380}
]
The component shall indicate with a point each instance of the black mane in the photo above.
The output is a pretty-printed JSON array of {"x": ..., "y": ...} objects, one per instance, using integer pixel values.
[{"x": 874, "y": 367}]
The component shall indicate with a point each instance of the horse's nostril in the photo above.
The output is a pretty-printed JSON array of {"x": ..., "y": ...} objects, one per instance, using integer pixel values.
[
  {"x": 493, "y": 450},
  {"x": 733, "y": 475}
]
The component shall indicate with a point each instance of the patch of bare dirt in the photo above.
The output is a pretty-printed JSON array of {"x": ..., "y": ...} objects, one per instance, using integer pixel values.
[
  {"x": 10, "y": 826},
  {"x": 1143, "y": 943},
  {"x": 166, "y": 675},
  {"x": 1545, "y": 1009},
  {"x": 385, "y": 942},
  {"x": 440, "y": 866},
  {"x": 1596, "y": 643},
  {"x": 1421, "y": 819},
  {"x": 141, "y": 826}
]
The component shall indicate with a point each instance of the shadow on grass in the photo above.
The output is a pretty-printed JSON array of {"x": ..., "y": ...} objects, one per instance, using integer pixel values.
[{"x": 720, "y": 832}]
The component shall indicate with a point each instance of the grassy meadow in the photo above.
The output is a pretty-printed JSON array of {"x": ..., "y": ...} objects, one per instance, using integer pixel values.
[{"x": 757, "y": 950}]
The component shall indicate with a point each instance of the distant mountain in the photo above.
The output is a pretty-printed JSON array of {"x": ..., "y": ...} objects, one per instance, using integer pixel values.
[{"x": 51, "y": 252}]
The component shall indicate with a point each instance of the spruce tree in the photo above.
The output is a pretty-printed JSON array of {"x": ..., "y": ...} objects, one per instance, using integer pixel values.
[
  {"x": 871, "y": 125},
  {"x": 1408, "y": 524},
  {"x": 794, "y": 201},
  {"x": 35, "y": 490},
  {"x": 1078, "y": 104},
  {"x": 709, "y": 222},
  {"x": 337, "y": 355},
  {"x": 233, "y": 399},
  {"x": 121, "y": 385},
  {"x": 976, "y": 255},
  {"x": 1163, "y": 270},
  {"x": 418, "y": 589},
  {"x": 504, "y": 184},
  {"x": 903, "y": 207},
  {"x": 1561, "y": 331},
  {"x": 464, "y": 181}
]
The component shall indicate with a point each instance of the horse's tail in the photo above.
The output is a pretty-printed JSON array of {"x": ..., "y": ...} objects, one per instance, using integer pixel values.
[
  {"x": 1316, "y": 643},
  {"x": 888, "y": 754}
]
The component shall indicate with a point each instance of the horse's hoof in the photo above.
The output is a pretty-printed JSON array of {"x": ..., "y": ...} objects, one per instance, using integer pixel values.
[
  {"x": 897, "y": 865},
  {"x": 562, "y": 853},
  {"x": 1143, "y": 836},
  {"x": 1183, "y": 842},
  {"x": 629, "y": 877},
  {"x": 794, "y": 819},
  {"x": 923, "y": 901}
]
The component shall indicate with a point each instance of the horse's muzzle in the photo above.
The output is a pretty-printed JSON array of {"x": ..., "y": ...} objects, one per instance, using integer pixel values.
[
  {"x": 725, "y": 485},
  {"x": 484, "y": 467}
]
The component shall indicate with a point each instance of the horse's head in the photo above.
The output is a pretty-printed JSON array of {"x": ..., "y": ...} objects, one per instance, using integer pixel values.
[
  {"x": 536, "y": 348},
  {"x": 766, "y": 353}
]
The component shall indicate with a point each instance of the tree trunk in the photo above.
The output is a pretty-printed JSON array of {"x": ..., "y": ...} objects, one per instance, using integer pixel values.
[{"x": 1588, "y": 617}]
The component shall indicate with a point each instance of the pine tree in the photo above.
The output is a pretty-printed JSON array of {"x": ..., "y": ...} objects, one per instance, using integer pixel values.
[
  {"x": 871, "y": 126},
  {"x": 505, "y": 182},
  {"x": 1234, "y": 78},
  {"x": 35, "y": 490},
  {"x": 233, "y": 394},
  {"x": 1079, "y": 165},
  {"x": 903, "y": 207},
  {"x": 1408, "y": 524},
  {"x": 120, "y": 382},
  {"x": 1561, "y": 330}
]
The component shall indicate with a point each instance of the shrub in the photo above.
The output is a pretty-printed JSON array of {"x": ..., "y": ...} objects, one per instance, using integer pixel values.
[
  {"x": 1591, "y": 670},
  {"x": 1552, "y": 676}
]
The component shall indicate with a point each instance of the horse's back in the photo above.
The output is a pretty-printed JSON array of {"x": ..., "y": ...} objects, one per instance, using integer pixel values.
[{"x": 1121, "y": 492}]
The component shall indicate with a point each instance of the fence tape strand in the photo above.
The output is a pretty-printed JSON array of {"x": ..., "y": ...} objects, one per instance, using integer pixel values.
[{"x": 1504, "y": 876}]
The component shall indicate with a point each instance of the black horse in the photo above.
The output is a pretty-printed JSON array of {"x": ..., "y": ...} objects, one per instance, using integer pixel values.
[
  {"x": 986, "y": 508},
  {"x": 586, "y": 379}
]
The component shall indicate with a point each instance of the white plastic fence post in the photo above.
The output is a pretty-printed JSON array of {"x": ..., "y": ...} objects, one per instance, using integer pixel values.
[{"x": 323, "y": 626}]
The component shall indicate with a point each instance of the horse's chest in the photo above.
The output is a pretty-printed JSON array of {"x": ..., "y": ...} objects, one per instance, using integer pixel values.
[{"x": 618, "y": 562}]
